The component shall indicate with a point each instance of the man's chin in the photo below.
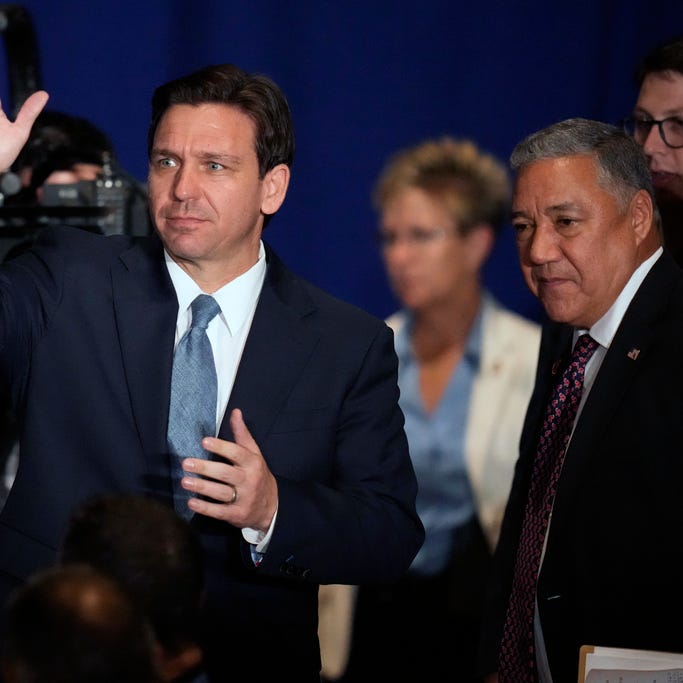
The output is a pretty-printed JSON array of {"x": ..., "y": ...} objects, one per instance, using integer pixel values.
[
  {"x": 559, "y": 309},
  {"x": 184, "y": 244},
  {"x": 183, "y": 251}
]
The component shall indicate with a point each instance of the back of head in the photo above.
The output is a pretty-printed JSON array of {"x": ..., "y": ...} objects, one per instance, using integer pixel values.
[
  {"x": 621, "y": 165},
  {"x": 255, "y": 95},
  {"x": 57, "y": 137},
  {"x": 76, "y": 625},
  {"x": 473, "y": 186},
  {"x": 57, "y": 130},
  {"x": 666, "y": 56},
  {"x": 151, "y": 551}
]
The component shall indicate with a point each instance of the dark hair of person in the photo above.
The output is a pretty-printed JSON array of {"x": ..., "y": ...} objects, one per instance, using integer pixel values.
[
  {"x": 73, "y": 624},
  {"x": 255, "y": 95},
  {"x": 151, "y": 551},
  {"x": 666, "y": 56},
  {"x": 57, "y": 131},
  {"x": 58, "y": 141}
]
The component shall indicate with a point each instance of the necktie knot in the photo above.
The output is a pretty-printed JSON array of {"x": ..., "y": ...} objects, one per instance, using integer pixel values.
[
  {"x": 204, "y": 309},
  {"x": 583, "y": 349}
]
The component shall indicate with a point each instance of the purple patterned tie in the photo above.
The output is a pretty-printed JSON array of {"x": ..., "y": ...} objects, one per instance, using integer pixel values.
[{"x": 517, "y": 657}]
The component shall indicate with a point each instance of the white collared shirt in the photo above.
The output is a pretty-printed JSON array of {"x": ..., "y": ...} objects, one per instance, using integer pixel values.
[
  {"x": 227, "y": 333},
  {"x": 603, "y": 330}
]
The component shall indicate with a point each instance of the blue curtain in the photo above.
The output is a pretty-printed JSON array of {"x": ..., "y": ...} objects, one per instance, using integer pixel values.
[{"x": 363, "y": 80}]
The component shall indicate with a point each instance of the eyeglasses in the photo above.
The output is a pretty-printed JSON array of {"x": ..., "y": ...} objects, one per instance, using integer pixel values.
[
  {"x": 415, "y": 237},
  {"x": 670, "y": 130}
]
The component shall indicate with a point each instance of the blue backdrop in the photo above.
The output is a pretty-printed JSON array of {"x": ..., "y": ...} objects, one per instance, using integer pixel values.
[{"x": 363, "y": 80}]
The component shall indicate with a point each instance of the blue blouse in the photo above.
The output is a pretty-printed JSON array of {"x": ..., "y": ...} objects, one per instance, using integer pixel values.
[{"x": 437, "y": 448}]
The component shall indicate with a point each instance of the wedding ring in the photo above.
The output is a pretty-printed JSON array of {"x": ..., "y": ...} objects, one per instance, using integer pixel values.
[{"x": 234, "y": 495}]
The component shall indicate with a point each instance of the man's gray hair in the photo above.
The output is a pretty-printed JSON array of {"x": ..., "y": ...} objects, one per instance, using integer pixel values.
[{"x": 621, "y": 164}]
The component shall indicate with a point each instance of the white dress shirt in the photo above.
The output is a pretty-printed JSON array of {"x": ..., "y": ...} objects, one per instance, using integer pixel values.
[{"x": 227, "y": 333}]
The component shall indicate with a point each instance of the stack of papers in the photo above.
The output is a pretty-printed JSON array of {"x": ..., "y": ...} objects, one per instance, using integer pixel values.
[{"x": 621, "y": 665}]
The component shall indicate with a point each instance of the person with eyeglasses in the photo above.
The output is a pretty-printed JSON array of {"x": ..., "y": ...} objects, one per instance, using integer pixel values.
[
  {"x": 657, "y": 126},
  {"x": 466, "y": 372}
]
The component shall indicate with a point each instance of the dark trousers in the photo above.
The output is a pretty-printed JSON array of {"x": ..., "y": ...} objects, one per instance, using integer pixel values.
[{"x": 422, "y": 629}]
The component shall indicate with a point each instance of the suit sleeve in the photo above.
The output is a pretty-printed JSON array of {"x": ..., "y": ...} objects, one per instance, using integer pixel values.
[
  {"x": 30, "y": 289},
  {"x": 356, "y": 521}
]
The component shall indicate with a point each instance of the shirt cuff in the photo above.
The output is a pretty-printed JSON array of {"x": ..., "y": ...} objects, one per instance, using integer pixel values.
[{"x": 259, "y": 538}]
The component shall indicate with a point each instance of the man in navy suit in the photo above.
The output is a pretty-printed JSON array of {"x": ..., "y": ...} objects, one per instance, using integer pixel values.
[
  {"x": 308, "y": 480},
  {"x": 589, "y": 243}
]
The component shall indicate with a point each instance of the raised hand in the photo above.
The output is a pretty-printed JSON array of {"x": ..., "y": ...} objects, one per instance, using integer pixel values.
[{"x": 13, "y": 135}]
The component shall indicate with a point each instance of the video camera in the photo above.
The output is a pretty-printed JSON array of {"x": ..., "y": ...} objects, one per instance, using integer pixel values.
[
  {"x": 114, "y": 203},
  {"x": 119, "y": 202}
]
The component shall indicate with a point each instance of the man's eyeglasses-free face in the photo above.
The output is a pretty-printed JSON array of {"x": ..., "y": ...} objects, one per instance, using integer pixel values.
[{"x": 670, "y": 129}]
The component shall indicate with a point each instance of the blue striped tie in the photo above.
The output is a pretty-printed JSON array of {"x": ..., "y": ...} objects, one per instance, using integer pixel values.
[{"x": 192, "y": 413}]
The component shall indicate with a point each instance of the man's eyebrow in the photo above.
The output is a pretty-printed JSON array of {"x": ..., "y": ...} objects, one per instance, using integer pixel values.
[
  {"x": 675, "y": 112},
  {"x": 161, "y": 151},
  {"x": 554, "y": 208},
  {"x": 207, "y": 155},
  {"x": 564, "y": 206},
  {"x": 223, "y": 157}
]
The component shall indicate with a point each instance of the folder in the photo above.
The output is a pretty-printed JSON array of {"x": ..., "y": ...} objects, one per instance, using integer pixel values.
[{"x": 624, "y": 665}]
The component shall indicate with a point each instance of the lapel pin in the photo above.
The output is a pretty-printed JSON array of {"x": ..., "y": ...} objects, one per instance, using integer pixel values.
[
  {"x": 556, "y": 367},
  {"x": 633, "y": 354}
]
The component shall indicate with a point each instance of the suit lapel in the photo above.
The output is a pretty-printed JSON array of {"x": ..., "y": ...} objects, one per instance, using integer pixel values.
[
  {"x": 276, "y": 350},
  {"x": 146, "y": 310},
  {"x": 553, "y": 354},
  {"x": 496, "y": 365},
  {"x": 623, "y": 360}
]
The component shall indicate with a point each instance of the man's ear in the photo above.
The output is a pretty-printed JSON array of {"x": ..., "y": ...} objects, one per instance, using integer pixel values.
[
  {"x": 641, "y": 212},
  {"x": 275, "y": 185}
]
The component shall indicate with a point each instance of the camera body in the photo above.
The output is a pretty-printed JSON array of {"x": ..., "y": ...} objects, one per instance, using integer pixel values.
[
  {"x": 114, "y": 203},
  {"x": 112, "y": 195}
]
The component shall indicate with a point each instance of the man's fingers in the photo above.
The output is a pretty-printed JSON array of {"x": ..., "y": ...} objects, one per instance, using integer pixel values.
[
  {"x": 31, "y": 108},
  {"x": 33, "y": 105},
  {"x": 241, "y": 433},
  {"x": 13, "y": 135}
]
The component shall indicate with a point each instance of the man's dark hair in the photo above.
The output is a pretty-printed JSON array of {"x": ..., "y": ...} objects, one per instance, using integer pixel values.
[
  {"x": 58, "y": 132},
  {"x": 255, "y": 95},
  {"x": 151, "y": 551},
  {"x": 667, "y": 56},
  {"x": 74, "y": 624}
]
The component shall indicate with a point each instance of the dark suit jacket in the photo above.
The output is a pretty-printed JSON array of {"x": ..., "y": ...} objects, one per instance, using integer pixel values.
[
  {"x": 611, "y": 575},
  {"x": 87, "y": 328}
]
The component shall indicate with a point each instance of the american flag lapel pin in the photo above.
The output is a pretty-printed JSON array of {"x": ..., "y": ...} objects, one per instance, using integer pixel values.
[{"x": 633, "y": 353}]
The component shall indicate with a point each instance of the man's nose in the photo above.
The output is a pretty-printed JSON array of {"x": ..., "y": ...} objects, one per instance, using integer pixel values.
[
  {"x": 542, "y": 247},
  {"x": 185, "y": 184}
]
